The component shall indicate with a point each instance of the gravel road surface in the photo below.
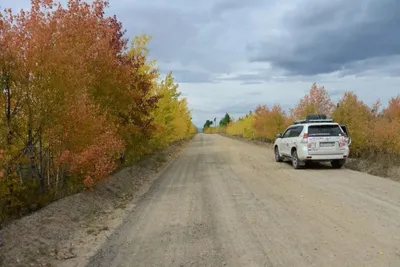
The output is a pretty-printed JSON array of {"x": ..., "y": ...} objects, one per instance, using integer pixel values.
[{"x": 224, "y": 202}]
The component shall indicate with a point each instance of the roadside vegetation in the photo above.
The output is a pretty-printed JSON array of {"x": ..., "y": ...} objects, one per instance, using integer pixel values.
[
  {"x": 375, "y": 130},
  {"x": 77, "y": 102}
]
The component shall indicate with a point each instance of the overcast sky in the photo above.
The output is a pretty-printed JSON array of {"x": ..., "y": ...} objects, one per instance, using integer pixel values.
[{"x": 230, "y": 55}]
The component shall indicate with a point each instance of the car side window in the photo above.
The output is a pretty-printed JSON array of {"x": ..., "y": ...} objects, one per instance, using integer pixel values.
[
  {"x": 295, "y": 132},
  {"x": 287, "y": 133},
  {"x": 299, "y": 130}
]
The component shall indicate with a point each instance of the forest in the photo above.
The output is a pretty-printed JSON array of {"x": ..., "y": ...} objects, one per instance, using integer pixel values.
[
  {"x": 374, "y": 130},
  {"x": 79, "y": 100}
]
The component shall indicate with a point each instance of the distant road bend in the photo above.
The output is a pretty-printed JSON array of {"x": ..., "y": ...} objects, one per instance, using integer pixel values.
[{"x": 225, "y": 202}]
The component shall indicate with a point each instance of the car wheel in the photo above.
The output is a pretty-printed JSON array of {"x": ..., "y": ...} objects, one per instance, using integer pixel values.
[
  {"x": 337, "y": 164},
  {"x": 277, "y": 157},
  {"x": 295, "y": 160}
]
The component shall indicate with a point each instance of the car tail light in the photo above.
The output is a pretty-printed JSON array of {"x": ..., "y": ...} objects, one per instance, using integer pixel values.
[
  {"x": 305, "y": 138},
  {"x": 342, "y": 142}
]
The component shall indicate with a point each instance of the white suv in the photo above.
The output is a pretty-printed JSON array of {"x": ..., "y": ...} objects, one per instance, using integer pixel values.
[{"x": 313, "y": 140}]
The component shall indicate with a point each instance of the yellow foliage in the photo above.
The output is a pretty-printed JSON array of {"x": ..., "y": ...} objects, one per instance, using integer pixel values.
[
  {"x": 357, "y": 116},
  {"x": 372, "y": 132},
  {"x": 172, "y": 116},
  {"x": 243, "y": 127},
  {"x": 384, "y": 136},
  {"x": 213, "y": 130},
  {"x": 269, "y": 122},
  {"x": 208, "y": 130}
]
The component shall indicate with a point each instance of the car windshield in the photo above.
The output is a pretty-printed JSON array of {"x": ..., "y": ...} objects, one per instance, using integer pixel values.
[{"x": 324, "y": 130}]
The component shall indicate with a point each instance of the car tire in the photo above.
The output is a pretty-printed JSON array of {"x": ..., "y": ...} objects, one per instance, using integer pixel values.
[
  {"x": 278, "y": 158},
  {"x": 337, "y": 164},
  {"x": 295, "y": 160}
]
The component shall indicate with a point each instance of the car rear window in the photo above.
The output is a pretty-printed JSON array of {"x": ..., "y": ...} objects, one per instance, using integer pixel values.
[{"x": 324, "y": 130}]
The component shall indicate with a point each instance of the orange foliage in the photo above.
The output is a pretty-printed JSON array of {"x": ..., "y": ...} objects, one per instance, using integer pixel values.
[
  {"x": 357, "y": 116},
  {"x": 95, "y": 161},
  {"x": 384, "y": 129},
  {"x": 89, "y": 144},
  {"x": 76, "y": 99},
  {"x": 316, "y": 102},
  {"x": 269, "y": 122},
  {"x": 392, "y": 112},
  {"x": 373, "y": 132}
]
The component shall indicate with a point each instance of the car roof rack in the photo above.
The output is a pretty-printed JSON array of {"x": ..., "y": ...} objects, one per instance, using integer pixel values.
[
  {"x": 316, "y": 117},
  {"x": 313, "y": 121}
]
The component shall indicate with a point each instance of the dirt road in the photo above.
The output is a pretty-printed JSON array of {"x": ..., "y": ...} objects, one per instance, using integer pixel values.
[{"x": 225, "y": 202}]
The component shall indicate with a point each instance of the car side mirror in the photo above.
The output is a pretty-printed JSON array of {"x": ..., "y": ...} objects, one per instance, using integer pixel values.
[{"x": 279, "y": 135}]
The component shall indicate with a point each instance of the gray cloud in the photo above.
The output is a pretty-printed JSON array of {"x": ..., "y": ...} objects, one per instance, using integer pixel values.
[
  {"x": 188, "y": 37},
  {"x": 250, "y": 82},
  {"x": 322, "y": 36},
  {"x": 254, "y": 78},
  {"x": 272, "y": 50},
  {"x": 238, "y": 108},
  {"x": 169, "y": 28},
  {"x": 221, "y": 7},
  {"x": 380, "y": 66},
  {"x": 186, "y": 76},
  {"x": 206, "y": 35}
]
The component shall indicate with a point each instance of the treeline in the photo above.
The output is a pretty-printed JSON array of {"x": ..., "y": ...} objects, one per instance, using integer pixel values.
[
  {"x": 77, "y": 102},
  {"x": 224, "y": 122},
  {"x": 374, "y": 130}
]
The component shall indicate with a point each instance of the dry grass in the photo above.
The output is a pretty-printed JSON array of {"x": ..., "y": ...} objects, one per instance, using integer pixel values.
[{"x": 379, "y": 165}]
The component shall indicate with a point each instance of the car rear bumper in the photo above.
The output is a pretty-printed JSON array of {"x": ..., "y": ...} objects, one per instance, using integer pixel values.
[
  {"x": 323, "y": 157},
  {"x": 305, "y": 156}
]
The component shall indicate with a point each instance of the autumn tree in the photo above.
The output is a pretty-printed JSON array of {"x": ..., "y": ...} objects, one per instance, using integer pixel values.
[
  {"x": 392, "y": 111},
  {"x": 269, "y": 122},
  {"x": 172, "y": 116},
  {"x": 133, "y": 113},
  {"x": 74, "y": 99},
  {"x": 384, "y": 132},
  {"x": 243, "y": 127},
  {"x": 316, "y": 102},
  {"x": 357, "y": 116}
]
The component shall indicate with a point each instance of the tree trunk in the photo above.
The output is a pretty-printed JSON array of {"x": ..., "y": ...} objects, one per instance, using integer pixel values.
[
  {"x": 57, "y": 182},
  {"x": 48, "y": 168},
  {"x": 8, "y": 105},
  {"x": 39, "y": 169}
]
